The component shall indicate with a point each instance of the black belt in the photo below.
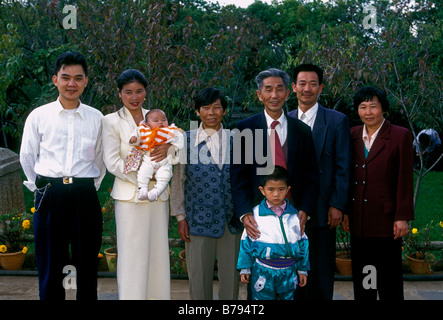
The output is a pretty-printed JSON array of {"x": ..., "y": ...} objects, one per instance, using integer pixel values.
[{"x": 41, "y": 181}]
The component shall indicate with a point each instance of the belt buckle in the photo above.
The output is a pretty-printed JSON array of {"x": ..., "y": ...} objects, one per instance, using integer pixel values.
[{"x": 67, "y": 180}]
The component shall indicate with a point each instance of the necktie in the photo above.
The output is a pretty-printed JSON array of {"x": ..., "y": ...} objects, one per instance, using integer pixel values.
[
  {"x": 303, "y": 117},
  {"x": 279, "y": 157}
]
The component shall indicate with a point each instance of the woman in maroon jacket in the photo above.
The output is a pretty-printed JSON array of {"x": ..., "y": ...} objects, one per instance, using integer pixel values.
[{"x": 381, "y": 198}]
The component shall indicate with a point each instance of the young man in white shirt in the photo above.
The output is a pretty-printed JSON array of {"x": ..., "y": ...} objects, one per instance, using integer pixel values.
[{"x": 61, "y": 156}]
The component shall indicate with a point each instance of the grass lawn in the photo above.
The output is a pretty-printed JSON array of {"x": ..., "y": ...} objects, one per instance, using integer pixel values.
[{"x": 429, "y": 205}]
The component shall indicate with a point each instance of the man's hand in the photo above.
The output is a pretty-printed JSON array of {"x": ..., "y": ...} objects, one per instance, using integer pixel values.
[
  {"x": 183, "y": 230},
  {"x": 335, "y": 217},
  {"x": 303, "y": 217},
  {"x": 251, "y": 226}
]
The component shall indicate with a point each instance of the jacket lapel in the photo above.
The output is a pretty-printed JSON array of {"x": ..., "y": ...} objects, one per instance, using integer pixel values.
[
  {"x": 358, "y": 146},
  {"x": 380, "y": 140},
  {"x": 319, "y": 131}
]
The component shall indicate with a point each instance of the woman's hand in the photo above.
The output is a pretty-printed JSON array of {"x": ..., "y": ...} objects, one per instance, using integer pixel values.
[
  {"x": 183, "y": 230},
  {"x": 160, "y": 152},
  {"x": 400, "y": 228}
]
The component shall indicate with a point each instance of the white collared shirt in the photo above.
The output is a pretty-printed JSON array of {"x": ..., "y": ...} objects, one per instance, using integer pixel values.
[
  {"x": 369, "y": 141},
  {"x": 62, "y": 143},
  {"x": 216, "y": 143},
  {"x": 281, "y": 128},
  {"x": 309, "y": 116}
]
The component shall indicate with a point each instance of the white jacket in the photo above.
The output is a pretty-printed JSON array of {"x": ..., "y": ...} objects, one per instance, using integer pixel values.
[{"x": 118, "y": 127}]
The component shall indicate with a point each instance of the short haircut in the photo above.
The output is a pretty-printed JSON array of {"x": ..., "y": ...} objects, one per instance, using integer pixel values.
[
  {"x": 272, "y": 72},
  {"x": 279, "y": 174},
  {"x": 368, "y": 93},
  {"x": 208, "y": 96},
  {"x": 70, "y": 58},
  {"x": 130, "y": 76},
  {"x": 308, "y": 67}
]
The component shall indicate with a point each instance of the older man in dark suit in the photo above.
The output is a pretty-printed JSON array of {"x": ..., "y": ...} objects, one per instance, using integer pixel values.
[
  {"x": 252, "y": 152},
  {"x": 330, "y": 131}
]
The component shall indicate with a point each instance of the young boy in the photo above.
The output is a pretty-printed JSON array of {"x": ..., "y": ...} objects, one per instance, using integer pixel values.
[
  {"x": 280, "y": 251},
  {"x": 151, "y": 132}
]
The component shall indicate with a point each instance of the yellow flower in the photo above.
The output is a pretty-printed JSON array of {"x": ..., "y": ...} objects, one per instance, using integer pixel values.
[
  {"x": 25, "y": 249},
  {"x": 441, "y": 224},
  {"x": 100, "y": 255},
  {"x": 26, "y": 224},
  {"x": 414, "y": 230},
  {"x": 33, "y": 209},
  {"x": 3, "y": 248}
]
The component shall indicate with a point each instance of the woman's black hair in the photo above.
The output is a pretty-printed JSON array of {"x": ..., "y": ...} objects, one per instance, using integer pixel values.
[
  {"x": 368, "y": 93},
  {"x": 208, "y": 96},
  {"x": 129, "y": 76}
]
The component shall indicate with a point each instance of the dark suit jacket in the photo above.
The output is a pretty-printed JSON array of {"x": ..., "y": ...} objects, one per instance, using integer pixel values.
[
  {"x": 301, "y": 164},
  {"x": 382, "y": 185},
  {"x": 332, "y": 142}
]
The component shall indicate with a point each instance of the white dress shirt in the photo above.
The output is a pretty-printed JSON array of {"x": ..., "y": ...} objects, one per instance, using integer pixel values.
[
  {"x": 62, "y": 143},
  {"x": 281, "y": 128},
  {"x": 309, "y": 116},
  {"x": 369, "y": 141}
]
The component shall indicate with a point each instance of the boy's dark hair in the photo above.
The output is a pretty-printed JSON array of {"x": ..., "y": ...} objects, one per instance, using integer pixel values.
[
  {"x": 279, "y": 174},
  {"x": 70, "y": 58},
  {"x": 368, "y": 93},
  {"x": 130, "y": 76},
  {"x": 208, "y": 96},
  {"x": 308, "y": 67}
]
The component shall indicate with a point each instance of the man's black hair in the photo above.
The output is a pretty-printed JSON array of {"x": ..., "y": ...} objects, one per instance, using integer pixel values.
[{"x": 70, "y": 58}]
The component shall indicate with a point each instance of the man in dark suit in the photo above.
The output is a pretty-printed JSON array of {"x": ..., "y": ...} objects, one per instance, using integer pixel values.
[
  {"x": 331, "y": 135},
  {"x": 252, "y": 153}
]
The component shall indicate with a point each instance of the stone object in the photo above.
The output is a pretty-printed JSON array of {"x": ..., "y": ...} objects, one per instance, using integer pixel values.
[{"x": 11, "y": 188}]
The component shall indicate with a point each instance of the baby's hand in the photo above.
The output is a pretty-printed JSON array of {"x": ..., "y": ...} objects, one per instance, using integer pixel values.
[{"x": 133, "y": 140}]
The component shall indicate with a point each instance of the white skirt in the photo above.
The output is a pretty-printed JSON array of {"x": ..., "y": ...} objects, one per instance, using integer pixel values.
[{"x": 143, "y": 270}]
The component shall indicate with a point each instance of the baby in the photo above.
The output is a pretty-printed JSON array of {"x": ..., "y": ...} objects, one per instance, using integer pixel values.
[{"x": 152, "y": 132}]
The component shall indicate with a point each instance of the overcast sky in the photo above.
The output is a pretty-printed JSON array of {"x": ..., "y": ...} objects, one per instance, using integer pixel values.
[{"x": 238, "y": 3}]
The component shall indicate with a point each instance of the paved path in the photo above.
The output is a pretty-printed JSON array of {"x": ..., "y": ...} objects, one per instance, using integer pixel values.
[{"x": 26, "y": 288}]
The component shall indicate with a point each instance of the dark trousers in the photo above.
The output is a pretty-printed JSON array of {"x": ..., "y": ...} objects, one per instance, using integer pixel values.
[
  {"x": 67, "y": 231},
  {"x": 385, "y": 255},
  {"x": 320, "y": 285}
]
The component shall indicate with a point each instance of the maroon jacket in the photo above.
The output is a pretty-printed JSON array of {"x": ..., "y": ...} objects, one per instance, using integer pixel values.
[{"x": 382, "y": 185}]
